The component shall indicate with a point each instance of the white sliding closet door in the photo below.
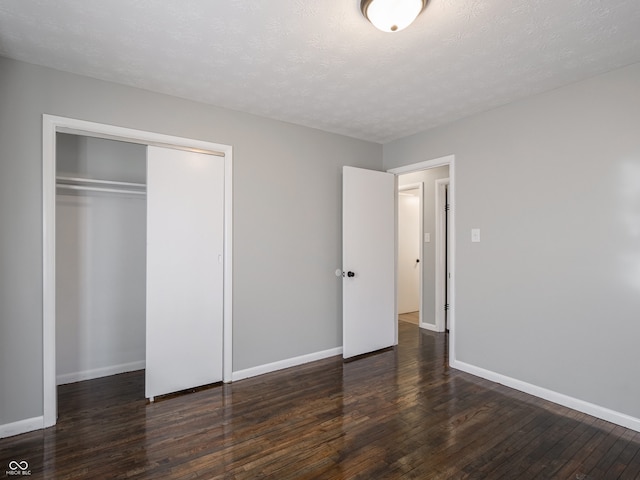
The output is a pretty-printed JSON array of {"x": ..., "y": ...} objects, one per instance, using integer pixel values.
[{"x": 185, "y": 227}]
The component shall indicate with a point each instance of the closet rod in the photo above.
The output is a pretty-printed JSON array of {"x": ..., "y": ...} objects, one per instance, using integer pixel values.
[
  {"x": 100, "y": 189},
  {"x": 98, "y": 182}
]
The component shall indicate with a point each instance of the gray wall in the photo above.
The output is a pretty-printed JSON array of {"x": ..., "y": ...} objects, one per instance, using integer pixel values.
[
  {"x": 428, "y": 177},
  {"x": 100, "y": 261},
  {"x": 551, "y": 295},
  {"x": 287, "y": 233}
]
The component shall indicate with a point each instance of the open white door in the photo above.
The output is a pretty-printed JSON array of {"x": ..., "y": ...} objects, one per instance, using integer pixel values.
[
  {"x": 368, "y": 257},
  {"x": 185, "y": 237}
]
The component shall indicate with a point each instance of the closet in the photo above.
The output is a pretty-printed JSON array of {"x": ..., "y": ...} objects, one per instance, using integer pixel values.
[
  {"x": 139, "y": 263},
  {"x": 100, "y": 257}
]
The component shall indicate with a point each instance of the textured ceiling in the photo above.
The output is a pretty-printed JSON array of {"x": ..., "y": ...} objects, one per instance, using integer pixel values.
[{"x": 320, "y": 63}]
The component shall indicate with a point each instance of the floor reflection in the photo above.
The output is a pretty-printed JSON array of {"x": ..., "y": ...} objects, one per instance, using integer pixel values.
[{"x": 398, "y": 413}]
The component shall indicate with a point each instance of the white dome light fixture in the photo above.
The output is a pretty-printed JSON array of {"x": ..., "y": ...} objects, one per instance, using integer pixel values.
[{"x": 392, "y": 15}]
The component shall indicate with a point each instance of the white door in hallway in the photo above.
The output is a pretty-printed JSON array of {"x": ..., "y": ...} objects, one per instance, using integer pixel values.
[
  {"x": 368, "y": 261},
  {"x": 185, "y": 239}
]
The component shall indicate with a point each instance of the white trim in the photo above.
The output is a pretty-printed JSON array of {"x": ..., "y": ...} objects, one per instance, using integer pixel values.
[
  {"x": 289, "y": 362},
  {"x": 449, "y": 160},
  {"x": 142, "y": 137},
  {"x": 417, "y": 167},
  {"x": 440, "y": 251},
  {"x": 21, "y": 426},
  {"x": 552, "y": 396},
  {"x": 50, "y": 126},
  {"x": 99, "y": 372},
  {"x": 420, "y": 187},
  {"x": 227, "y": 328},
  {"x": 430, "y": 326},
  {"x": 396, "y": 204},
  {"x": 49, "y": 389}
]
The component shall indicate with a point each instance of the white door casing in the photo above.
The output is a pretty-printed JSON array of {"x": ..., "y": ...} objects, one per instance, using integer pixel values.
[
  {"x": 442, "y": 253},
  {"x": 185, "y": 232},
  {"x": 448, "y": 160},
  {"x": 51, "y": 125},
  {"x": 368, "y": 259}
]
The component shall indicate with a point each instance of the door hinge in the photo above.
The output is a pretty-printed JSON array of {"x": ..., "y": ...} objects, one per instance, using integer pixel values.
[{"x": 446, "y": 306}]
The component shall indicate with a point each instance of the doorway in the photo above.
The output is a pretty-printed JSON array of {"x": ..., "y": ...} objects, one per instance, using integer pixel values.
[
  {"x": 430, "y": 237},
  {"x": 369, "y": 215},
  {"x": 53, "y": 125},
  {"x": 429, "y": 232},
  {"x": 410, "y": 215},
  {"x": 100, "y": 257},
  {"x": 443, "y": 251}
]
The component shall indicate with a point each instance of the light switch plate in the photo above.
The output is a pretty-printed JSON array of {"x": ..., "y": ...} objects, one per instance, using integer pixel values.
[
  {"x": 427, "y": 237},
  {"x": 475, "y": 235}
]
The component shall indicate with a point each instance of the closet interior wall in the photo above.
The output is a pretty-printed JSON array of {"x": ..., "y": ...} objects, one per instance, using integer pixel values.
[{"x": 100, "y": 260}]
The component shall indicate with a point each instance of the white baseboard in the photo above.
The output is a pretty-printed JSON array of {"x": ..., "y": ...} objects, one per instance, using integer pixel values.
[
  {"x": 555, "y": 397},
  {"x": 99, "y": 372},
  {"x": 21, "y": 426},
  {"x": 289, "y": 362},
  {"x": 429, "y": 326}
]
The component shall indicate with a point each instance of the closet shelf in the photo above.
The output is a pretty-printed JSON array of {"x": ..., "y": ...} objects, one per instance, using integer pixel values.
[
  {"x": 96, "y": 185},
  {"x": 97, "y": 182}
]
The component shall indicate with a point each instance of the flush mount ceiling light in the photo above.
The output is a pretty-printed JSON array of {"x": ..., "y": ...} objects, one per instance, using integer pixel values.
[{"x": 392, "y": 15}]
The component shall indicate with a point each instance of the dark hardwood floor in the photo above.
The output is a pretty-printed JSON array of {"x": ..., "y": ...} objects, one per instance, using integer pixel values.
[{"x": 401, "y": 413}]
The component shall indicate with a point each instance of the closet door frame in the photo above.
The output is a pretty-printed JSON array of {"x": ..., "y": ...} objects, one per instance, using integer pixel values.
[{"x": 51, "y": 125}]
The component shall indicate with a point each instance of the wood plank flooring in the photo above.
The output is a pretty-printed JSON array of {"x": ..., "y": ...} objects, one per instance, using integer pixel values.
[
  {"x": 400, "y": 413},
  {"x": 411, "y": 317}
]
